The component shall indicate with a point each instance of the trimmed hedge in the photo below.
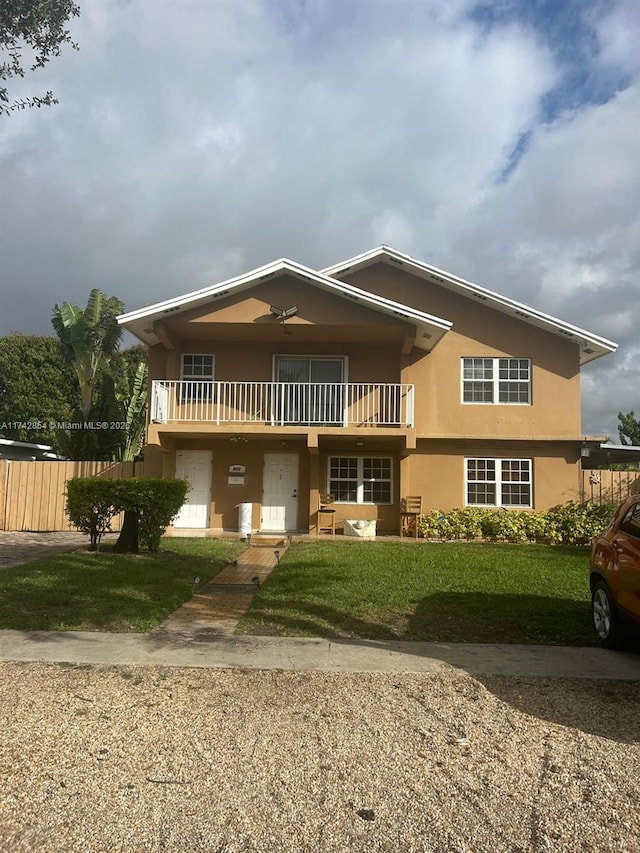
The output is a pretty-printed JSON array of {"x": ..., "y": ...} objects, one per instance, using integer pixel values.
[
  {"x": 566, "y": 524},
  {"x": 92, "y": 503}
]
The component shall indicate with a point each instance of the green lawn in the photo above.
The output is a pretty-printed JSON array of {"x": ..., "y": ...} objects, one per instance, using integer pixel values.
[
  {"x": 80, "y": 591},
  {"x": 449, "y": 592}
]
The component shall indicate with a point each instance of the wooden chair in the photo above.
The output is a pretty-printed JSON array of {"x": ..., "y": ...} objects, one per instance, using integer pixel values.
[
  {"x": 410, "y": 512},
  {"x": 326, "y": 515}
]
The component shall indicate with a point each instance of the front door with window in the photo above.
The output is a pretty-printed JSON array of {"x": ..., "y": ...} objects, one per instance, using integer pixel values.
[
  {"x": 194, "y": 466},
  {"x": 280, "y": 492}
]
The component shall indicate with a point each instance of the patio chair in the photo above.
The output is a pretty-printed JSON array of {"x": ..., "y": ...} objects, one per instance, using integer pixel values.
[
  {"x": 410, "y": 512},
  {"x": 326, "y": 515}
]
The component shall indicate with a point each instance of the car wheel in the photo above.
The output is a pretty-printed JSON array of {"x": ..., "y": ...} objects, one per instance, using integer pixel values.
[{"x": 605, "y": 617}]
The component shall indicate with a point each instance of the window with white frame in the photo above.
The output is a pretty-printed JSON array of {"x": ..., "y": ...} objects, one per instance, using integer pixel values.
[
  {"x": 498, "y": 482},
  {"x": 197, "y": 376},
  {"x": 360, "y": 479},
  {"x": 496, "y": 380}
]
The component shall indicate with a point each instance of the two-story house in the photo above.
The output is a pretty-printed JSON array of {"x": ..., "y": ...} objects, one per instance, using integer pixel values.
[{"x": 370, "y": 380}]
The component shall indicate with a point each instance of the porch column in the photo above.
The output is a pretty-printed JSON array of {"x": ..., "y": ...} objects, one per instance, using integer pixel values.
[
  {"x": 404, "y": 479},
  {"x": 314, "y": 489}
]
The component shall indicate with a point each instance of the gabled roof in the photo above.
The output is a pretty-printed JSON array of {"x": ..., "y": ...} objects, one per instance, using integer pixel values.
[
  {"x": 140, "y": 322},
  {"x": 591, "y": 346}
]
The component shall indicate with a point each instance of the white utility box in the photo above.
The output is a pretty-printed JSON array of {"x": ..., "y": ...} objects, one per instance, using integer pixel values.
[{"x": 365, "y": 528}]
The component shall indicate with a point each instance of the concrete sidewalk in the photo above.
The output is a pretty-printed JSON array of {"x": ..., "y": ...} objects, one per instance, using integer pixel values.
[{"x": 263, "y": 653}]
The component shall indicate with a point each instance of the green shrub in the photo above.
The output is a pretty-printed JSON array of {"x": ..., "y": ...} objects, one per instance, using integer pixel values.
[
  {"x": 434, "y": 525},
  {"x": 572, "y": 523},
  {"x": 156, "y": 503},
  {"x": 535, "y": 526},
  {"x": 90, "y": 506},
  {"x": 566, "y": 524},
  {"x": 456, "y": 524},
  {"x": 506, "y": 525},
  {"x": 93, "y": 502}
]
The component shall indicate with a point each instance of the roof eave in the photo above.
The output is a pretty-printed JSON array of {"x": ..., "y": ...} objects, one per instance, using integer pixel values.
[
  {"x": 140, "y": 322},
  {"x": 591, "y": 346}
]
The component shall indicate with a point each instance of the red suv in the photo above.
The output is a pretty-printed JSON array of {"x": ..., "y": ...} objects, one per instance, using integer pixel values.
[{"x": 615, "y": 576}]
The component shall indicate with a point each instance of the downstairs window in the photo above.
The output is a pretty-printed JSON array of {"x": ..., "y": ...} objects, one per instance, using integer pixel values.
[
  {"x": 498, "y": 482},
  {"x": 360, "y": 479}
]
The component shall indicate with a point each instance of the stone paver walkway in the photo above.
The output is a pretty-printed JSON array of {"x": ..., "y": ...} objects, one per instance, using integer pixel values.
[
  {"x": 218, "y": 607},
  {"x": 17, "y": 547}
]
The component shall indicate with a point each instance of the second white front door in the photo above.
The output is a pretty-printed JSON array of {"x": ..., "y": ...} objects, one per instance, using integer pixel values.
[
  {"x": 194, "y": 466},
  {"x": 280, "y": 492}
]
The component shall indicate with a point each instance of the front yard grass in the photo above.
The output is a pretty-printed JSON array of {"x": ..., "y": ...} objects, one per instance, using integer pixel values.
[
  {"x": 82, "y": 591},
  {"x": 438, "y": 592}
]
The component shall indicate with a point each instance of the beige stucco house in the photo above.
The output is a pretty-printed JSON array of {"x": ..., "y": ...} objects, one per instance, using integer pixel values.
[{"x": 374, "y": 379}]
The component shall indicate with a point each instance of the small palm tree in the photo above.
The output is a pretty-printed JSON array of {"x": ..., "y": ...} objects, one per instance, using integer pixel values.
[
  {"x": 131, "y": 395},
  {"x": 89, "y": 338}
]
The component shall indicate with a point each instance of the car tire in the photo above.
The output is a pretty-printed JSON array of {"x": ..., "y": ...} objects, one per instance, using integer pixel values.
[{"x": 605, "y": 617}]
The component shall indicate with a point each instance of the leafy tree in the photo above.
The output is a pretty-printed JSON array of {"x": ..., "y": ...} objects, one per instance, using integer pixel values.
[
  {"x": 37, "y": 26},
  {"x": 131, "y": 396},
  {"x": 629, "y": 428},
  {"x": 112, "y": 384},
  {"x": 89, "y": 339},
  {"x": 37, "y": 387}
]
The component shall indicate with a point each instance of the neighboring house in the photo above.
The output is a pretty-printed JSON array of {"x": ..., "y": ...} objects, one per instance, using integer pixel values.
[
  {"x": 374, "y": 379},
  {"x": 25, "y": 451}
]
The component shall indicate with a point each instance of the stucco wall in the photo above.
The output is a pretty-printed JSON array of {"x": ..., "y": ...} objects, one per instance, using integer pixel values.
[
  {"x": 436, "y": 470},
  {"x": 481, "y": 331}
]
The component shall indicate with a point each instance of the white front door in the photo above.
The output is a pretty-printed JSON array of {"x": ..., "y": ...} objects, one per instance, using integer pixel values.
[
  {"x": 194, "y": 466},
  {"x": 280, "y": 492}
]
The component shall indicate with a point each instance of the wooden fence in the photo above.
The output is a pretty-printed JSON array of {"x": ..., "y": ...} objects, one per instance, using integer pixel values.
[
  {"x": 32, "y": 493},
  {"x": 603, "y": 486}
]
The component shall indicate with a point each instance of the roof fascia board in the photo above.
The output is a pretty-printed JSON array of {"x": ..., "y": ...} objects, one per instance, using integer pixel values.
[{"x": 420, "y": 268}]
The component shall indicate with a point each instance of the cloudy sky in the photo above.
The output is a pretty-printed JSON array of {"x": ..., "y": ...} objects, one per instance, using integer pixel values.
[{"x": 196, "y": 139}]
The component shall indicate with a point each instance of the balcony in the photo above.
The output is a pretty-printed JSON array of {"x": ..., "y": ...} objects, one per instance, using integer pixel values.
[{"x": 280, "y": 404}]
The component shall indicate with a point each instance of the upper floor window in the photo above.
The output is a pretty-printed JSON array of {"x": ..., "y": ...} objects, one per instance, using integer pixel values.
[
  {"x": 498, "y": 482},
  {"x": 496, "y": 380},
  {"x": 197, "y": 367},
  {"x": 196, "y": 370},
  {"x": 360, "y": 479}
]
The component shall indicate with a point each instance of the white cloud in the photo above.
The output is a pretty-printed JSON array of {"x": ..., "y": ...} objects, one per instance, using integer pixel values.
[{"x": 195, "y": 140}]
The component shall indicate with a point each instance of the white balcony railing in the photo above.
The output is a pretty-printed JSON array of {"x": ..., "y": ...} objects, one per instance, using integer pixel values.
[{"x": 354, "y": 404}]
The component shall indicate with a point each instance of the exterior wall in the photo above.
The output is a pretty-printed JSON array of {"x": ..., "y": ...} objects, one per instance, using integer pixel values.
[
  {"x": 481, "y": 331},
  {"x": 250, "y": 454},
  {"x": 315, "y": 307},
  {"x": 436, "y": 470},
  {"x": 255, "y": 364}
]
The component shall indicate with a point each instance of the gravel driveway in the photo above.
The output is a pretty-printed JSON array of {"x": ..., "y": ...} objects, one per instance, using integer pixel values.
[{"x": 148, "y": 759}]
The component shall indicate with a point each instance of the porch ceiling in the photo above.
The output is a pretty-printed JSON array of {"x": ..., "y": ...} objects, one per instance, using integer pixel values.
[
  {"x": 182, "y": 330},
  {"x": 357, "y": 439}
]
